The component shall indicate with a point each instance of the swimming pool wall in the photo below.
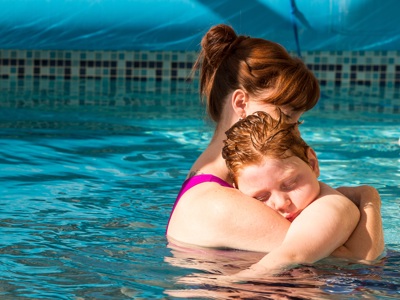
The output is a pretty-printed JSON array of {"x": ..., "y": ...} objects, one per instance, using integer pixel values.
[
  {"x": 367, "y": 74},
  {"x": 150, "y": 46}
]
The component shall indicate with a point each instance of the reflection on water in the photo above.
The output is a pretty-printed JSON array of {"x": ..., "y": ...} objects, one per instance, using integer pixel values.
[
  {"x": 211, "y": 278},
  {"x": 86, "y": 195}
]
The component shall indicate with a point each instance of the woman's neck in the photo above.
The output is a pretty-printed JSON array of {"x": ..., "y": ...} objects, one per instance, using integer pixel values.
[{"x": 211, "y": 160}]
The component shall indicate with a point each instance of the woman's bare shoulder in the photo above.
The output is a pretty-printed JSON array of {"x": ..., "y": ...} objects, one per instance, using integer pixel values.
[{"x": 211, "y": 215}]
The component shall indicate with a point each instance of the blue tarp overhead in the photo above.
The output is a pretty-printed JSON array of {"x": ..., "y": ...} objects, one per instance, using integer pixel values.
[{"x": 180, "y": 24}]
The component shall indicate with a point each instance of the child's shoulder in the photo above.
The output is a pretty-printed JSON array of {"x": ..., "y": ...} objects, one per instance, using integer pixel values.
[{"x": 326, "y": 190}]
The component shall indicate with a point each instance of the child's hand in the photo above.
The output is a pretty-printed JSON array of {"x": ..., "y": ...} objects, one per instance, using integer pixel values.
[
  {"x": 362, "y": 196},
  {"x": 367, "y": 241}
]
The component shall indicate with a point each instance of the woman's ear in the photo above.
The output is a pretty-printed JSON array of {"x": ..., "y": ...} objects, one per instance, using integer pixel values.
[
  {"x": 240, "y": 102},
  {"x": 313, "y": 161}
]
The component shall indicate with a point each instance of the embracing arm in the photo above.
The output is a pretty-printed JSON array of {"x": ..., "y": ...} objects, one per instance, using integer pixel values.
[
  {"x": 367, "y": 241},
  {"x": 209, "y": 215},
  {"x": 321, "y": 228}
]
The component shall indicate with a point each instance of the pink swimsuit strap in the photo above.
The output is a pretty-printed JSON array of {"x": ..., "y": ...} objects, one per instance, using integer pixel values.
[{"x": 193, "y": 181}]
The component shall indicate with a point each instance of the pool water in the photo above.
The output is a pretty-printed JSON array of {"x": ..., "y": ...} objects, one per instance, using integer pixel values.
[{"x": 86, "y": 193}]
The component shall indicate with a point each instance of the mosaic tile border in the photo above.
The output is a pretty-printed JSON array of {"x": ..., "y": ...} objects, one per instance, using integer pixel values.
[
  {"x": 336, "y": 68},
  {"x": 121, "y": 74},
  {"x": 137, "y": 66}
]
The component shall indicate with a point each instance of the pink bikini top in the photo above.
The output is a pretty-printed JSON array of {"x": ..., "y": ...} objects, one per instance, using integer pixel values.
[{"x": 193, "y": 181}]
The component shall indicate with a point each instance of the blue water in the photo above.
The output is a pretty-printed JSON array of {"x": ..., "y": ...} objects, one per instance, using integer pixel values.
[{"x": 86, "y": 193}]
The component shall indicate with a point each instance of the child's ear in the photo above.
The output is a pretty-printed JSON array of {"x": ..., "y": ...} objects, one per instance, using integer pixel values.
[
  {"x": 313, "y": 161},
  {"x": 240, "y": 103}
]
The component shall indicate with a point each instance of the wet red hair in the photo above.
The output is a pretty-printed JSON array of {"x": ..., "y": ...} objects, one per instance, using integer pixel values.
[{"x": 258, "y": 136}]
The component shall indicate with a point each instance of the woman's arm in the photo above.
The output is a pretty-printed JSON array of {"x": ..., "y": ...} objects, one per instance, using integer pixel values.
[
  {"x": 213, "y": 216},
  {"x": 321, "y": 228},
  {"x": 367, "y": 241},
  {"x": 209, "y": 215}
]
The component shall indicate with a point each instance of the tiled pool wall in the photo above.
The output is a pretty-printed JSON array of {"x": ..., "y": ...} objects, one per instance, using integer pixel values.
[{"x": 373, "y": 76}]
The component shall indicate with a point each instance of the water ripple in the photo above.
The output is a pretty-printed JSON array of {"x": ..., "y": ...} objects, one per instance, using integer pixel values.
[{"x": 86, "y": 195}]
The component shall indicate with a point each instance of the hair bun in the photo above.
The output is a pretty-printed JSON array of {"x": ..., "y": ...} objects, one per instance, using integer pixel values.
[
  {"x": 219, "y": 35},
  {"x": 216, "y": 43}
]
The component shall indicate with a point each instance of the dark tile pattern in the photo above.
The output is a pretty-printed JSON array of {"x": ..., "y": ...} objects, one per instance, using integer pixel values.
[{"x": 359, "y": 73}]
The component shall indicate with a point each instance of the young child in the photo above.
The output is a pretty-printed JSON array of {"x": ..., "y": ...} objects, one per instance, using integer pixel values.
[{"x": 269, "y": 161}]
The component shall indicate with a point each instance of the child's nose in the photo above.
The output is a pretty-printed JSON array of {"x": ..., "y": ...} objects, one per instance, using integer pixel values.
[{"x": 280, "y": 202}]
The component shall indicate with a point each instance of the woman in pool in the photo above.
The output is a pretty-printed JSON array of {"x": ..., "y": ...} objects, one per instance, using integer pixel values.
[
  {"x": 240, "y": 75},
  {"x": 269, "y": 161}
]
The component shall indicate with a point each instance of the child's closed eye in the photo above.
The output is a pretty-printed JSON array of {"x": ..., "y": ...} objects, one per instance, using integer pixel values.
[
  {"x": 290, "y": 185},
  {"x": 263, "y": 198}
]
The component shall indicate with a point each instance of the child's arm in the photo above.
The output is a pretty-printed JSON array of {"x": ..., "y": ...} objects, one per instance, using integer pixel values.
[
  {"x": 367, "y": 241},
  {"x": 321, "y": 228}
]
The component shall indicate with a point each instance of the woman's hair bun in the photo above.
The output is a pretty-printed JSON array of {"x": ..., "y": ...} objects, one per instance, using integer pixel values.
[{"x": 216, "y": 43}]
